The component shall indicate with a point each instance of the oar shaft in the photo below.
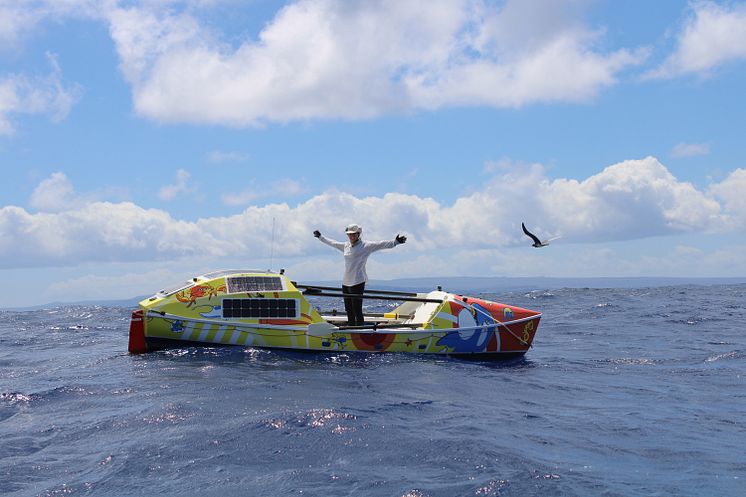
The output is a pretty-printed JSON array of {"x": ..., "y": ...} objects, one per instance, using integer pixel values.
[
  {"x": 373, "y": 297},
  {"x": 365, "y": 292},
  {"x": 381, "y": 326},
  {"x": 335, "y": 312}
]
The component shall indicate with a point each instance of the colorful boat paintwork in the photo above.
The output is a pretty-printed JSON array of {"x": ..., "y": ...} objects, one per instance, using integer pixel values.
[{"x": 437, "y": 322}]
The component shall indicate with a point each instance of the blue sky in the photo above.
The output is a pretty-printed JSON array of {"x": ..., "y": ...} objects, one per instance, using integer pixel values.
[{"x": 142, "y": 142}]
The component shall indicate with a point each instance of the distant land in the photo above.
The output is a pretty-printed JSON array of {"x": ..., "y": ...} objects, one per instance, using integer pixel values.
[{"x": 463, "y": 284}]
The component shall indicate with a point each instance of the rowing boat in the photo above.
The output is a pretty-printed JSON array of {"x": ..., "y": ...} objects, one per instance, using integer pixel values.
[{"x": 250, "y": 308}]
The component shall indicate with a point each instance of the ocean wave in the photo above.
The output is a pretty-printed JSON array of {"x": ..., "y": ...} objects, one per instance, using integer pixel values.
[
  {"x": 16, "y": 398},
  {"x": 313, "y": 418},
  {"x": 631, "y": 361},
  {"x": 735, "y": 354}
]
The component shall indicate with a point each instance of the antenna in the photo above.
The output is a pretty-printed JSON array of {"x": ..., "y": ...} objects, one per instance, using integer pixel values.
[{"x": 272, "y": 245}]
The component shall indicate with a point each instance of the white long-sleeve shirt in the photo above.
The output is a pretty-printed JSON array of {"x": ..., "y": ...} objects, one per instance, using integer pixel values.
[{"x": 356, "y": 256}]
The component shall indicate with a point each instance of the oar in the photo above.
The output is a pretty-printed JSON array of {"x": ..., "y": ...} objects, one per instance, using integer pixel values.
[
  {"x": 390, "y": 315},
  {"x": 318, "y": 293},
  {"x": 375, "y": 327},
  {"x": 365, "y": 292}
]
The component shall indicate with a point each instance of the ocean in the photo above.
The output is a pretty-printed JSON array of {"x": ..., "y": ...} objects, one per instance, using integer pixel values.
[{"x": 626, "y": 392}]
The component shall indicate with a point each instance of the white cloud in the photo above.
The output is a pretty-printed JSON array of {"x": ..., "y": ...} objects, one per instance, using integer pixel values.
[
  {"x": 20, "y": 94},
  {"x": 18, "y": 17},
  {"x": 639, "y": 197},
  {"x": 731, "y": 193},
  {"x": 54, "y": 194},
  {"x": 690, "y": 149},
  {"x": 181, "y": 186},
  {"x": 626, "y": 201},
  {"x": 357, "y": 60},
  {"x": 712, "y": 36},
  {"x": 99, "y": 231},
  {"x": 13, "y": 18}
]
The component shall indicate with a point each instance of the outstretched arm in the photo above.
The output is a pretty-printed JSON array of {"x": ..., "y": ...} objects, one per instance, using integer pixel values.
[
  {"x": 386, "y": 244},
  {"x": 332, "y": 243}
]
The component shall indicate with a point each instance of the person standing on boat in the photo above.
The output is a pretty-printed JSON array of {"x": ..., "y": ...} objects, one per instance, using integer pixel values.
[{"x": 356, "y": 253}]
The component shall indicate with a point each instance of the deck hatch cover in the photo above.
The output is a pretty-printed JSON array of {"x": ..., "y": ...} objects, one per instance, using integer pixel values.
[
  {"x": 260, "y": 308},
  {"x": 240, "y": 284}
]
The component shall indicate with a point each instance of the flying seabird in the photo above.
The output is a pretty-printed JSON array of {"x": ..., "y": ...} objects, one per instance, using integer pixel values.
[{"x": 537, "y": 243}]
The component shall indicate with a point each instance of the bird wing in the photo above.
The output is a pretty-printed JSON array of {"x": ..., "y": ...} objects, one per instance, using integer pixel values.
[{"x": 530, "y": 235}]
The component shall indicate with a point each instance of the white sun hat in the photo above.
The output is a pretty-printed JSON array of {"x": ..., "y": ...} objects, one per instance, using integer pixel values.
[{"x": 353, "y": 228}]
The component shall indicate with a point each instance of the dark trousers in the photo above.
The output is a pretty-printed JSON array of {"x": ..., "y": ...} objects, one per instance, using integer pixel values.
[{"x": 354, "y": 305}]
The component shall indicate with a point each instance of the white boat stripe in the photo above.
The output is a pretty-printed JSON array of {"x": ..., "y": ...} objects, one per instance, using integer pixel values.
[
  {"x": 205, "y": 331},
  {"x": 188, "y": 328}
]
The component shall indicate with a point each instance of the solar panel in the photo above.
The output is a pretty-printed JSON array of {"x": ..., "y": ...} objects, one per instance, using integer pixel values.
[
  {"x": 240, "y": 284},
  {"x": 260, "y": 308}
]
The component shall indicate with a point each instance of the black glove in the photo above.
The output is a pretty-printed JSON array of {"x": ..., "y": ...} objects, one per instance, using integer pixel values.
[
  {"x": 316, "y": 233},
  {"x": 400, "y": 238}
]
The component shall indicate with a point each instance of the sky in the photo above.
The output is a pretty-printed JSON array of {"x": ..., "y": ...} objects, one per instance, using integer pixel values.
[{"x": 145, "y": 142}]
